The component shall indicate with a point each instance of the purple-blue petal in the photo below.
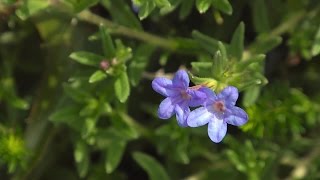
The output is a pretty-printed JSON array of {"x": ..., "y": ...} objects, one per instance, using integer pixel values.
[
  {"x": 182, "y": 113},
  {"x": 210, "y": 95},
  {"x": 163, "y": 86},
  {"x": 166, "y": 109},
  {"x": 217, "y": 129},
  {"x": 199, "y": 117},
  {"x": 229, "y": 94},
  {"x": 181, "y": 79},
  {"x": 238, "y": 117},
  {"x": 197, "y": 97}
]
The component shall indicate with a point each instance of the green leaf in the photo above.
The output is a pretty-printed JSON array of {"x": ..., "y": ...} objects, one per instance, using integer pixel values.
[
  {"x": 316, "y": 44},
  {"x": 202, "y": 68},
  {"x": 206, "y": 42},
  {"x": 223, "y": 5},
  {"x": 203, "y": 5},
  {"x": 86, "y": 58},
  {"x": 76, "y": 93},
  {"x": 151, "y": 166},
  {"x": 260, "y": 16},
  {"x": 97, "y": 76},
  {"x": 65, "y": 114},
  {"x": 79, "y": 5},
  {"x": 264, "y": 43},
  {"x": 186, "y": 8},
  {"x": 81, "y": 156},
  {"x": 123, "y": 53},
  {"x": 237, "y": 41},
  {"x": 107, "y": 44},
  {"x": 122, "y": 87},
  {"x": 217, "y": 66},
  {"x": 121, "y": 123},
  {"x": 114, "y": 155},
  {"x": 122, "y": 13},
  {"x": 138, "y": 63},
  {"x": 162, "y": 3},
  {"x": 31, "y": 7},
  {"x": 146, "y": 8},
  {"x": 251, "y": 95}
]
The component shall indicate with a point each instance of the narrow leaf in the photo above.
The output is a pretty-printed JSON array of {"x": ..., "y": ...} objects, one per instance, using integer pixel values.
[
  {"x": 107, "y": 44},
  {"x": 223, "y": 5},
  {"x": 151, "y": 166},
  {"x": 122, "y": 87},
  {"x": 114, "y": 155},
  {"x": 316, "y": 44},
  {"x": 260, "y": 16},
  {"x": 203, "y": 5},
  {"x": 237, "y": 41},
  {"x": 97, "y": 76},
  {"x": 86, "y": 58}
]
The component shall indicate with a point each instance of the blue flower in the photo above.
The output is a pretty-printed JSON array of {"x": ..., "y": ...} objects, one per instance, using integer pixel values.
[
  {"x": 179, "y": 96},
  {"x": 218, "y": 111}
]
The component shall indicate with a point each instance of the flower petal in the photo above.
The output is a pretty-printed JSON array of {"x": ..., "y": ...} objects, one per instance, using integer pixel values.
[
  {"x": 166, "y": 109},
  {"x": 197, "y": 97},
  {"x": 230, "y": 94},
  {"x": 238, "y": 117},
  {"x": 163, "y": 86},
  {"x": 181, "y": 79},
  {"x": 182, "y": 113},
  {"x": 199, "y": 117},
  {"x": 211, "y": 96},
  {"x": 217, "y": 129}
]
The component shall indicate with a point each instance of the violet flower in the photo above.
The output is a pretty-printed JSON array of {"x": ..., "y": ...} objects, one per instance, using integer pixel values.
[
  {"x": 218, "y": 111},
  {"x": 179, "y": 96}
]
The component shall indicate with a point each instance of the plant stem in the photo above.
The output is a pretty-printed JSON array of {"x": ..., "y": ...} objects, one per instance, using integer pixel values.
[{"x": 89, "y": 17}]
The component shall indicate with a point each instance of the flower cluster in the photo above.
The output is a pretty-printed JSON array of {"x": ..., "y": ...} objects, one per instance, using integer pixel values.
[{"x": 215, "y": 110}]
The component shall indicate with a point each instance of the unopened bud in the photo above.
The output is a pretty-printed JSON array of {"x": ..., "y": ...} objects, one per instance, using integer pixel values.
[
  {"x": 114, "y": 62},
  {"x": 104, "y": 65}
]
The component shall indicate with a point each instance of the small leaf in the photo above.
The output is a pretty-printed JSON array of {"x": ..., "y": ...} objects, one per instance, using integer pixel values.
[
  {"x": 114, "y": 155},
  {"x": 208, "y": 43},
  {"x": 81, "y": 156},
  {"x": 260, "y": 16},
  {"x": 151, "y": 166},
  {"x": 107, "y": 44},
  {"x": 65, "y": 114},
  {"x": 203, "y": 5},
  {"x": 186, "y": 8},
  {"x": 202, "y": 68},
  {"x": 237, "y": 41},
  {"x": 31, "y": 7},
  {"x": 217, "y": 65},
  {"x": 223, "y": 5},
  {"x": 97, "y": 76},
  {"x": 264, "y": 43},
  {"x": 316, "y": 44},
  {"x": 122, "y": 87},
  {"x": 251, "y": 95},
  {"x": 163, "y": 3},
  {"x": 146, "y": 8},
  {"x": 76, "y": 93},
  {"x": 86, "y": 58}
]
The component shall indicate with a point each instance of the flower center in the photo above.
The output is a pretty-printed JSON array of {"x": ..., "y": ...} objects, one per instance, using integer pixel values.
[
  {"x": 219, "y": 106},
  {"x": 185, "y": 95}
]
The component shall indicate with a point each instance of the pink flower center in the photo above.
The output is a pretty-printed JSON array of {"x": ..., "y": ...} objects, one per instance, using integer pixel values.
[
  {"x": 104, "y": 65},
  {"x": 219, "y": 106},
  {"x": 185, "y": 95}
]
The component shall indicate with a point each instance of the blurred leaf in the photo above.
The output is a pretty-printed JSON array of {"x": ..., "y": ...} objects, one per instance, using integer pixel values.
[
  {"x": 186, "y": 8},
  {"x": 121, "y": 13},
  {"x": 122, "y": 87},
  {"x": 316, "y": 44},
  {"x": 146, "y": 8},
  {"x": 237, "y": 41},
  {"x": 79, "y": 5},
  {"x": 223, "y": 5},
  {"x": 77, "y": 94},
  {"x": 81, "y": 156},
  {"x": 202, "y": 68},
  {"x": 217, "y": 65},
  {"x": 97, "y": 76},
  {"x": 107, "y": 44},
  {"x": 65, "y": 114},
  {"x": 265, "y": 43},
  {"x": 86, "y": 58},
  {"x": 123, "y": 53},
  {"x": 31, "y": 7},
  {"x": 151, "y": 166},
  {"x": 251, "y": 95},
  {"x": 203, "y": 5},
  {"x": 208, "y": 43},
  {"x": 260, "y": 16},
  {"x": 114, "y": 155},
  {"x": 163, "y": 3},
  {"x": 139, "y": 62}
]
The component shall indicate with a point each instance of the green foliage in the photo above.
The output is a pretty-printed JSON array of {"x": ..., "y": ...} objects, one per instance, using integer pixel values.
[{"x": 76, "y": 100}]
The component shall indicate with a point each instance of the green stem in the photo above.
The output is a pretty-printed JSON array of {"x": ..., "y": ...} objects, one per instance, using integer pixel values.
[{"x": 89, "y": 17}]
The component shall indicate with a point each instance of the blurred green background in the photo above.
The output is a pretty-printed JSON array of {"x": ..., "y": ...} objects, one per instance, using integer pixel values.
[{"x": 76, "y": 100}]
